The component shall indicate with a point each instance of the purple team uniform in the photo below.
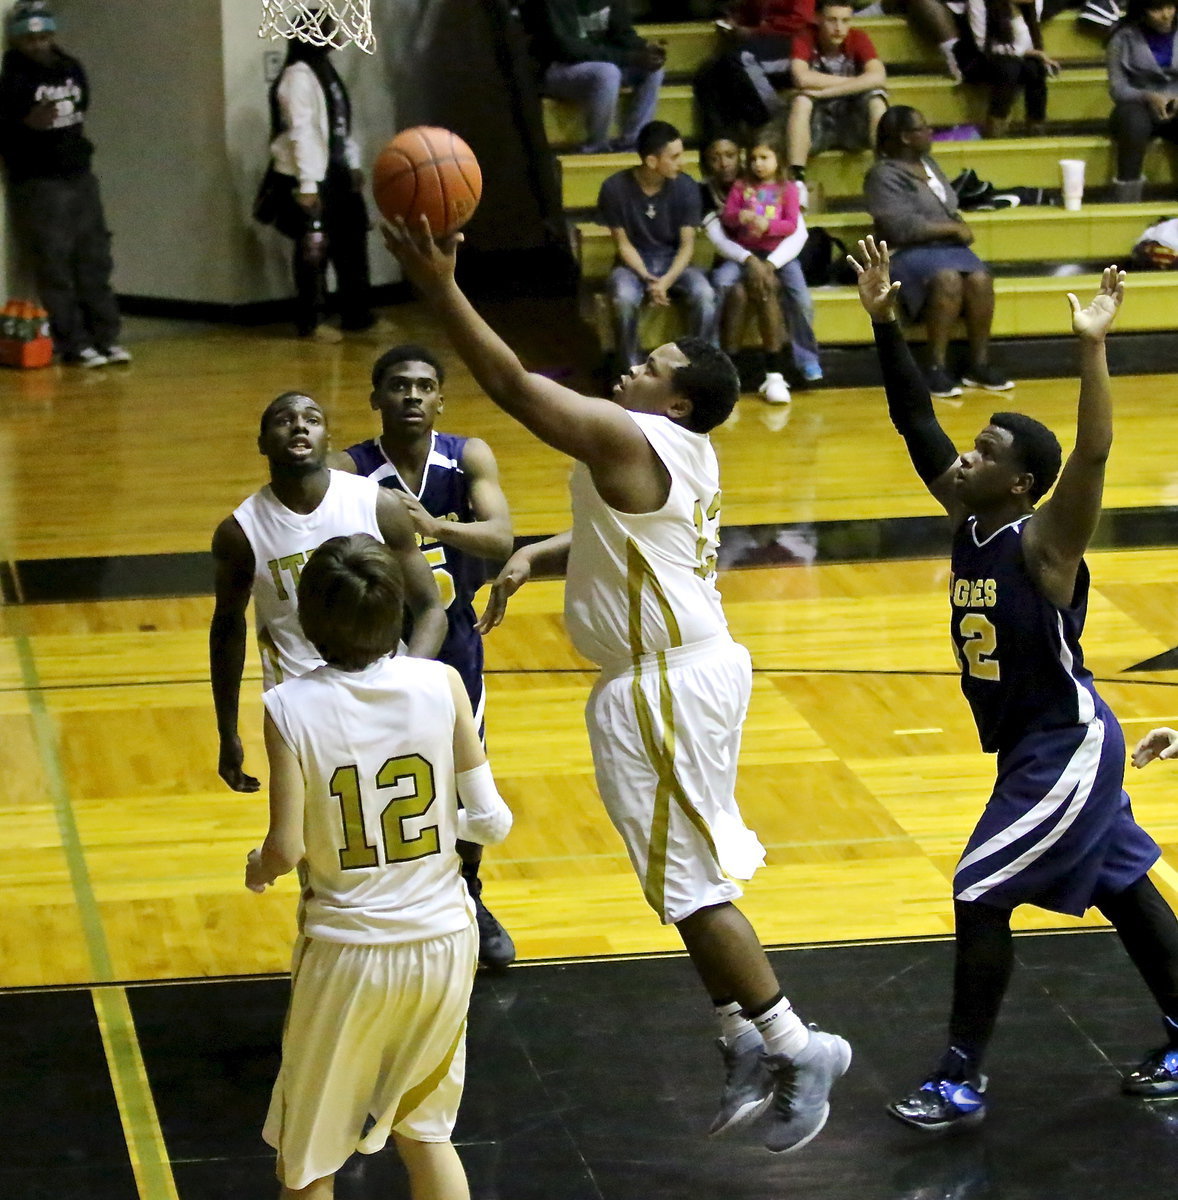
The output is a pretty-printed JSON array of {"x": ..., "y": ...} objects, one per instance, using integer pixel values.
[
  {"x": 445, "y": 493},
  {"x": 1058, "y": 830}
]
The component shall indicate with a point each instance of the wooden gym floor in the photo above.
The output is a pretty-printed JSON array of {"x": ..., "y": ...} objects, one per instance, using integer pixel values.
[{"x": 860, "y": 769}]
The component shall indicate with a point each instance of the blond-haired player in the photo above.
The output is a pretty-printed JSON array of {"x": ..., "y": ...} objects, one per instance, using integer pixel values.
[{"x": 368, "y": 756}]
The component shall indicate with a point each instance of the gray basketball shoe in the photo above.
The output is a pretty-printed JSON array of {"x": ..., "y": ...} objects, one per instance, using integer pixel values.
[
  {"x": 801, "y": 1090},
  {"x": 748, "y": 1086}
]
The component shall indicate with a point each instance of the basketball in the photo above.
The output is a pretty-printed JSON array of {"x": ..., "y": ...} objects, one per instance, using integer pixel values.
[{"x": 431, "y": 172}]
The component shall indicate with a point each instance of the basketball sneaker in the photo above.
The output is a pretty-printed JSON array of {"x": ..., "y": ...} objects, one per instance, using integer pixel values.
[
  {"x": 748, "y": 1086},
  {"x": 116, "y": 355},
  {"x": 941, "y": 1103},
  {"x": 775, "y": 390},
  {"x": 940, "y": 383},
  {"x": 987, "y": 377},
  {"x": 496, "y": 949},
  {"x": 801, "y": 1090},
  {"x": 87, "y": 357},
  {"x": 1157, "y": 1076}
]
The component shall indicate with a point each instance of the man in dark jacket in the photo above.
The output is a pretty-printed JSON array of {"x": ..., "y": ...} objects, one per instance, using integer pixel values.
[
  {"x": 586, "y": 51},
  {"x": 55, "y": 204}
]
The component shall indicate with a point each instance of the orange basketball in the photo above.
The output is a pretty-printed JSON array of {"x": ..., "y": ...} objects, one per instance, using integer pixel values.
[{"x": 430, "y": 171}]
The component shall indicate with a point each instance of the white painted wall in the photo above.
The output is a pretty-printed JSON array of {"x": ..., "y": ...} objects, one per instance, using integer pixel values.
[{"x": 180, "y": 123}]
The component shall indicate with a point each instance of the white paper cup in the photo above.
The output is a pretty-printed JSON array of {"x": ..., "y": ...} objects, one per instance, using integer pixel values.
[{"x": 1071, "y": 172}]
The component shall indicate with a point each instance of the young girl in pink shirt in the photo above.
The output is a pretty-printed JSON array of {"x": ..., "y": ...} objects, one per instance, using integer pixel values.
[{"x": 763, "y": 215}]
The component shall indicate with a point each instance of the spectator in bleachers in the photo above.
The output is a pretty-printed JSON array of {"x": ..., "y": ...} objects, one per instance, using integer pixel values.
[
  {"x": 652, "y": 210},
  {"x": 738, "y": 89},
  {"x": 586, "y": 51},
  {"x": 1143, "y": 82},
  {"x": 1003, "y": 49},
  {"x": 840, "y": 93},
  {"x": 720, "y": 165},
  {"x": 934, "y": 21},
  {"x": 762, "y": 214},
  {"x": 915, "y": 211}
]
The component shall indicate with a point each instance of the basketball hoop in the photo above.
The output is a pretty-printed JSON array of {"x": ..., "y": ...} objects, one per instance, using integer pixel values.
[{"x": 337, "y": 23}]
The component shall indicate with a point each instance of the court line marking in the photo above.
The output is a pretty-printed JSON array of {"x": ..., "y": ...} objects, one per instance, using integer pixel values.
[
  {"x": 45, "y": 736},
  {"x": 137, "y": 1112}
]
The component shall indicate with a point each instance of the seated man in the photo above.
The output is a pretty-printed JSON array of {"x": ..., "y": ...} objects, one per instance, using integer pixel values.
[
  {"x": 586, "y": 50},
  {"x": 840, "y": 81},
  {"x": 652, "y": 211}
]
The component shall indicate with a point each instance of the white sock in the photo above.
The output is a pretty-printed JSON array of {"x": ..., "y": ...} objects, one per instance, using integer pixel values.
[
  {"x": 946, "y": 48},
  {"x": 732, "y": 1021},
  {"x": 782, "y": 1030}
]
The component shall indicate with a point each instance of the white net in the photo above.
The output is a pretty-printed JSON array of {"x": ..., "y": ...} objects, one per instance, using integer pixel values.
[{"x": 335, "y": 23}]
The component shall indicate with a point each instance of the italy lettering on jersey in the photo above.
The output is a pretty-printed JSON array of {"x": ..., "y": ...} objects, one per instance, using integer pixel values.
[
  {"x": 643, "y": 582},
  {"x": 381, "y": 812},
  {"x": 1022, "y": 669},
  {"x": 445, "y": 493},
  {"x": 282, "y": 541}
]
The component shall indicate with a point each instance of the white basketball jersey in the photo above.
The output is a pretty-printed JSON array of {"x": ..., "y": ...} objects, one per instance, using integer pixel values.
[
  {"x": 282, "y": 542},
  {"x": 381, "y": 816},
  {"x": 642, "y": 582}
]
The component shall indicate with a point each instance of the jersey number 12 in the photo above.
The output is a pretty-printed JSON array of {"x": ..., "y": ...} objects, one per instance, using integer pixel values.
[{"x": 413, "y": 778}]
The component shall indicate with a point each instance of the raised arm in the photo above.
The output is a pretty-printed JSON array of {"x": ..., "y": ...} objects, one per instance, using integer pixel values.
[
  {"x": 596, "y": 432},
  {"x": 1058, "y": 532},
  {"x": 283, "y": 847},
  {"x": 233, "y": 559},
  {"x": 547, "y": 557},
  {"x": 910, "y": 404},
  {"x": 421, "y": 592}
]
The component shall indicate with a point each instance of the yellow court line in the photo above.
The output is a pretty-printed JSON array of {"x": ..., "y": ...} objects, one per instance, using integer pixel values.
[{"x": 141, "y": 1126}]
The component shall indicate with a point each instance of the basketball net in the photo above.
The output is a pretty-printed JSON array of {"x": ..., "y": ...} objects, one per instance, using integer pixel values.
[{"x": 337, "y": 23}]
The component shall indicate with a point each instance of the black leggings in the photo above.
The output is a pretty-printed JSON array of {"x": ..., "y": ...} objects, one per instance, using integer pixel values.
[
  {"x": 1131, "y": 126},
  {"x": 1143, "y": 920},
  {"x": 1006, "y": 75}
]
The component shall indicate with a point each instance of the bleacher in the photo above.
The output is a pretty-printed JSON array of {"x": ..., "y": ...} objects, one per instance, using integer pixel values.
[{"x": 1028, "y": 247}]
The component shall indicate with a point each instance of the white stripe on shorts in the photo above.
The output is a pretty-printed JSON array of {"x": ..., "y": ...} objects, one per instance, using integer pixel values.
[{"x": 1075, "y": 781}]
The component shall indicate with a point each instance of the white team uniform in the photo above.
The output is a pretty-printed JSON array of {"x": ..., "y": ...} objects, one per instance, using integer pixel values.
[
  {"x": 386, "y": 956},
  {"x": 282, "y": 542},
  {"x": 665, "y": 715}
]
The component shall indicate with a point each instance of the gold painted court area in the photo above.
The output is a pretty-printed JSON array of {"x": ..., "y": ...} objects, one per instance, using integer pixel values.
[{"x": 123, "y": 852}]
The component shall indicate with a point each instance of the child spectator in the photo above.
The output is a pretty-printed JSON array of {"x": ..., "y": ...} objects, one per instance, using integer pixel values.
[
  {"x": 1004, "y": 50},
  {"x": 840, "y": 93},
  {"x": 762, "y": 211},
  {"x": 1143, "y": 82}
]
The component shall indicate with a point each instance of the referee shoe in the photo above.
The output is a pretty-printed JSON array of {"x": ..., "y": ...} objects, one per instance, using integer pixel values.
[
  {"x": 801, "y": 1090},
  {"x": 748, "y": 1086}
]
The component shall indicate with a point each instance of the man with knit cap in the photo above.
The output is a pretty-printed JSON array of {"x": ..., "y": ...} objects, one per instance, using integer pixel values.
[{"x": 54, "y": 198}]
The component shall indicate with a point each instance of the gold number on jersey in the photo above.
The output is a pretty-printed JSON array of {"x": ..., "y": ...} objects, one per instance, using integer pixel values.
[
  {"x": 436, "y": 557},
  {"x": 357, "y": 853},
  {"x": 707, "y": 562},
  {"x": 980, "y": 640}
]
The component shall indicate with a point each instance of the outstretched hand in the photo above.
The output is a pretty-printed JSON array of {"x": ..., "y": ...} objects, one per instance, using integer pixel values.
[
  {"x": 1158, "y": 743},
  {"x": 514, "y": 575},
  {"x": 429, "y": 264},
  {"x": 877, "y": 292},
  {"x": 1093, "y": 322}
]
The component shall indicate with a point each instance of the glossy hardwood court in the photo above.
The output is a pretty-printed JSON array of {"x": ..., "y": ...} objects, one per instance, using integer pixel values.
[{"x": 860, "y": 771}]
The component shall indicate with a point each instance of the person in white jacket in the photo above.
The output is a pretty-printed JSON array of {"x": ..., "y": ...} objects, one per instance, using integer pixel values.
[{"x": 318, "y": 185}]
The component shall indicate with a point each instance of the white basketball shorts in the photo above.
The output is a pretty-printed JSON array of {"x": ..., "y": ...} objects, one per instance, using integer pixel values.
[
  {"x": 377, "y": 1030},
  {"x": 665, "y": 736}
]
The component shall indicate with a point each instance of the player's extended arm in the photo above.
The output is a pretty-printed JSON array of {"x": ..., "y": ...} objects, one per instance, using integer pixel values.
[
  {"x": 1157, "y": 743},
  {"x": 1058, "y": 533},
  {"x": 596, "y": 432},
  {"x": 910, "y": 404},
  {"x": 421, "y": 592},
  {"x": 483, "y": 818},
  {"x": 548, "y": 557},
  {"x": 233, "y": 558},
  {"x": 489, "y": 534},
  {"x": 283, "y": 847}
]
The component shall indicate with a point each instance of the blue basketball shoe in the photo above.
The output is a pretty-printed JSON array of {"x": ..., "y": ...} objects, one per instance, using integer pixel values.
[
  {"x": 1158, "y": 1075},
  {"x": 942, "y": 1104}
]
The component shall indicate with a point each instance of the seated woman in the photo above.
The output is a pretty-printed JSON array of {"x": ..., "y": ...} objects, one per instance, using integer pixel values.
[
  {"x": 1143, "y": 82},
  {"x": 915, "y": 212}
]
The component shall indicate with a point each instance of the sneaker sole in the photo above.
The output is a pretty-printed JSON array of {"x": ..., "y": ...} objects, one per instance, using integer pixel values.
[
  {"x": 1151, "y": 1091},
  {"x": 946, "y": 395},
  {"x": 959, "y": 1123},
  {"x": 844, "y": 1064},
  {"x": 989, "y": 387},
  {"x": 743, "y": 1116}
]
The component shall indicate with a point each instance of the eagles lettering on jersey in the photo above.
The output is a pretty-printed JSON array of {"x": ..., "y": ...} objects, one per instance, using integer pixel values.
[
  {"x": 445, "y": 493},
  {"x": 1022, "y": 669}
]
